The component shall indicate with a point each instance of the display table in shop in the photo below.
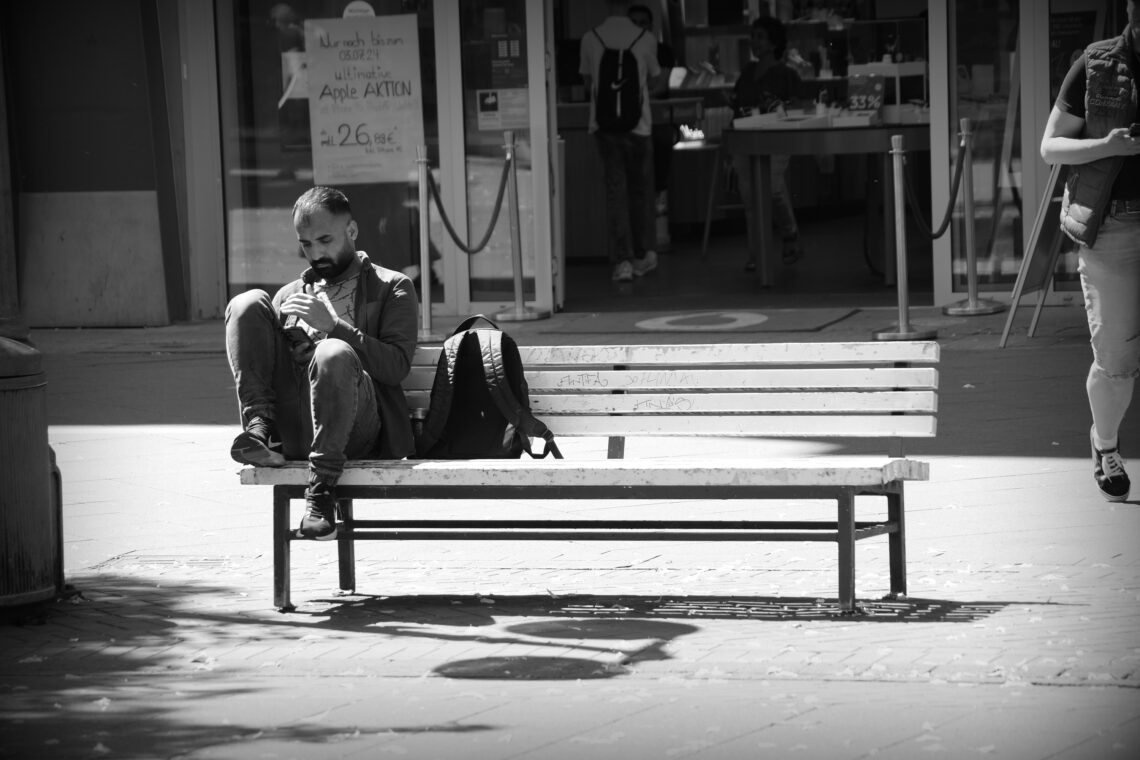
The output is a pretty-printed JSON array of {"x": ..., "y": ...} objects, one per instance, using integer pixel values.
[
  {"x": 759, "y": 145},
  {"x": 883, "y": 392}
]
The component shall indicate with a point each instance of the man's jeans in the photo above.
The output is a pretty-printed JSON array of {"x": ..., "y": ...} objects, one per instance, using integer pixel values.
[
  {"x": 627, "y": 171},
  {"x": 325, "y": 409},
  {"x": 1110, "y": 279}
]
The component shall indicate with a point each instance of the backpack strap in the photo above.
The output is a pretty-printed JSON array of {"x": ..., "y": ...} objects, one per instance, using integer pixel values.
[
  {"x": 491, "y": 349},
  {"x": 607, "y": 47},
  {"x": 468, "y": 323},
  {"x": 442, "y": 391}
]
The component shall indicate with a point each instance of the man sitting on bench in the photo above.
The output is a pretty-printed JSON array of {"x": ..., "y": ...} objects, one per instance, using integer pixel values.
[{"x": 318, "y": 368}]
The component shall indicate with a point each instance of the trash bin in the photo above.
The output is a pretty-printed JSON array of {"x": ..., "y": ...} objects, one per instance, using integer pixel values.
[{"x": 30, "y": 530}]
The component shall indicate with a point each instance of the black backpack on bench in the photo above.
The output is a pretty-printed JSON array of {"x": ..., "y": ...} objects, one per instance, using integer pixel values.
[{"x": 480, "y": 403}]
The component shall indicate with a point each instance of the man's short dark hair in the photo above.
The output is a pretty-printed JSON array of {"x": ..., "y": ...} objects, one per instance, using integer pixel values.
[
  {"x": 328, "y": 198},
  {"x": 777, "y": 35},
  {"x": 640, "y": 9}
]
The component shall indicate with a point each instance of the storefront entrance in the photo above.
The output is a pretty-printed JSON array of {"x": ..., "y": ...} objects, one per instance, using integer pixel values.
[
  {"x": 349, "y": 95},
  {"x": 489, "y": 68},
  {"x": 838, "y": 195}
]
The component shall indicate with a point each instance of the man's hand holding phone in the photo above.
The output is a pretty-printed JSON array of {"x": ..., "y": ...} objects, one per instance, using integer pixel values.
[
  {"x": 1124, "y": 141},
  {"x": 312, "y": 310},
  {"x": 301, "y": 346}
]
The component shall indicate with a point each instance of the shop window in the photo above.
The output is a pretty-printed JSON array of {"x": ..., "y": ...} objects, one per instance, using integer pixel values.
[
  {"x": 270, "y": 86},
  {"x": 983, "y": 64},
  {"x": 496, "y": 99}
]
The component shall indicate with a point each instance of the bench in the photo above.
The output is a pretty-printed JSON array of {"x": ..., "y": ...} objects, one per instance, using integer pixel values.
[{"x": 886, "y": 391}]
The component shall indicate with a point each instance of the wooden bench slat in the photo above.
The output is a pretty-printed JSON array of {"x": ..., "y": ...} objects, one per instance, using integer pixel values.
[
  {"x": 608, "y": 381},
  {"x": 921, "y": 352},
  {"x": 470, "y": 474},
  {"x": 775, "y": 426},
  {"x": 744, "y": 403}
]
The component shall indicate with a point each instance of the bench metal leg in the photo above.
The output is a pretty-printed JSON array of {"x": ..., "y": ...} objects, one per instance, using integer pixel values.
[
  {"x": 346, "y": 548},
  {"x": 281, "y": 540},
  {"x": 896, "y": 543},
  {"x": 846, "y": 539}
]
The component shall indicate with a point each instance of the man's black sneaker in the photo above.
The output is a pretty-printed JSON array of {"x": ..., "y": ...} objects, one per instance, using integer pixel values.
[
  {"x": 258, "y": 444},
  {"x": 1108, "y": 469},
  {"x": 319, "y": 522}
]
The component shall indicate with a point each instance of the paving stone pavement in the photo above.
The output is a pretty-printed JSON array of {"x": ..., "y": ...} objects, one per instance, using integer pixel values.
[{"x": 1021, "y": 638}]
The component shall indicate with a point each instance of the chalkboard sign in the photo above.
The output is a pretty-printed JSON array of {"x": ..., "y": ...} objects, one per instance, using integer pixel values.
[{"x": 365, "y": 98}]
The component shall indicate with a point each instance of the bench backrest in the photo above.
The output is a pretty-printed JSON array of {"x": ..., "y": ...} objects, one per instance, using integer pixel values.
[{"x": 803, "y": 390}]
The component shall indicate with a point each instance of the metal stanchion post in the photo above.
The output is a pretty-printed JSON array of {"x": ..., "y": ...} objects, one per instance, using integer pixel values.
[
  {"x": 521, "y": 312},
  {"x": 972, "y": 305},
  {"x": 425, "y": 334},
  {"x": 903, "y": 330}
]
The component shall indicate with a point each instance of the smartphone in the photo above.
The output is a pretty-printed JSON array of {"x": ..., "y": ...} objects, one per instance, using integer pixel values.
[
  {"x": 1134, "y": 130},
  {"x": 297, "y": 335}
]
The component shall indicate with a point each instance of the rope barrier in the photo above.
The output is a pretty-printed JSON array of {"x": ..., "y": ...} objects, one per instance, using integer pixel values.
[
  {"x": 912, "y": 199},
  {"x": 521, "y": 312},
  {"x": 972, "y": 305},
  {"x": 903, "y": 330},
  {"x": 462, "y": 245},
  {"x": 913, "y": 204},
  {"x": 508, "y": 184}
]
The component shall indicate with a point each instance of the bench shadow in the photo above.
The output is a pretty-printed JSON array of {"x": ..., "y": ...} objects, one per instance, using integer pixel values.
[
  {"x": 606, "y": 635},
  {"x": 557, "y": 638},
  {"x": 599, "y": 637},
  {"x": 351, "y": 609}
]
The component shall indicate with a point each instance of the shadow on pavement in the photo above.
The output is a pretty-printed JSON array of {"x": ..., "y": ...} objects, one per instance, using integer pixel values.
[
  {"x": 141, "y": 665},
  {"x": 126, "y": 667},
  {"x": 603, "y": 611},
  {"x": 613, "y": 633}
]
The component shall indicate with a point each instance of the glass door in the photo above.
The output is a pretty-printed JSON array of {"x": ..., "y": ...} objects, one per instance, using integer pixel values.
[
  {"x": 1005, "y": 64},
  {"x": 323, "y": 92},
  {"x": 496, "y": 84},
  {"x": 343, "y": 93},
  {"x": 984, "y": 88}
]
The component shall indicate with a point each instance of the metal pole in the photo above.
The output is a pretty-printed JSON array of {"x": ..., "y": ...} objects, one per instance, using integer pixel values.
[
  {"x": 903, "y": 330},
  {"x": 521, "y": 312},
  {"x": 972, "y": 305},
  {"x": 425, "y": 334},
  {"x": 11, "y": 321}
]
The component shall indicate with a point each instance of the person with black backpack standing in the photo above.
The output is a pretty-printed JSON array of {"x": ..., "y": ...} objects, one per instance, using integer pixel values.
[{"x": 618, "y": 59}]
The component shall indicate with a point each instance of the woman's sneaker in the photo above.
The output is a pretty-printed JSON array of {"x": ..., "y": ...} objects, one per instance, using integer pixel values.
[
  {"x": 1108, "y": 469},
  {"x": 258, "y": 444}
]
